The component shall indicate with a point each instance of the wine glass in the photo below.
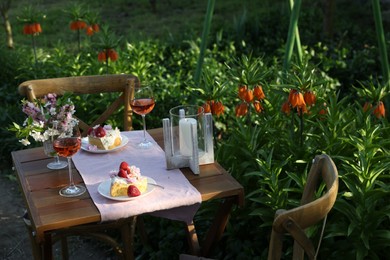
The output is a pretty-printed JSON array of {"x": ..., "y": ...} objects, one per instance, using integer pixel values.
[
  {"x": 142, "y": 103},
  {"x": 49, "y": 149},
  {"x": 67, "y": 143}
]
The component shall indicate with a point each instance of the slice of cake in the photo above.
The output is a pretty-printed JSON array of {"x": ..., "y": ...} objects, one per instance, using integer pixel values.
[
  {"x": 104, "y": 138},
  {"x": 128, "y": 176}
]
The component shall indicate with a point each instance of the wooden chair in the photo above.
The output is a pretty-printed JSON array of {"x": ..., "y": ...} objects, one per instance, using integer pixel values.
[
  {"x": 120, "y": 83},
  {"x": 311, "y": 211}
]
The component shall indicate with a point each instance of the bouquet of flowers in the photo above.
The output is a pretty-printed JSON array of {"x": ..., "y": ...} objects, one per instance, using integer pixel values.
[{"x": 41, "y": 114}]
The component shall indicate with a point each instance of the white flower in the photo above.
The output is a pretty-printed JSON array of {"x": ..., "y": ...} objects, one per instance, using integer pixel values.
[
  {"x": 25, "y": 142},
  {"x": 39, "y": 137},
  {"x": 39, "y": 124},
  {"x": 52, "y": 111}
]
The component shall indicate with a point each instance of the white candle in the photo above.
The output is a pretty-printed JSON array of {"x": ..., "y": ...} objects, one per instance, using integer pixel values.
[
  {"x": 185, "y": 137},
  {"x": 181, "y": 113}
]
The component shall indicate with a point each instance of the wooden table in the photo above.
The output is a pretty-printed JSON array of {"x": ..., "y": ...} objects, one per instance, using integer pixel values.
[{"x": 52, "y": 215}]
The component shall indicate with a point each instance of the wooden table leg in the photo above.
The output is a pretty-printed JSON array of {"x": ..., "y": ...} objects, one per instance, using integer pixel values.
[
  {"x": 218, "y": 226},
  {"x": 64, "y": 247},
  {"x": 47, "y": 246},
  {"x": 127, "y": 231},
  {"x": 192, "y": 239},
  {"x": 35, "y": 246}
]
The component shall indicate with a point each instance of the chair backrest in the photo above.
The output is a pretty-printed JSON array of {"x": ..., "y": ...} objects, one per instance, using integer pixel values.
[
  {"x": 311, "y": 211},
  {"x": 79, "y": 85}
]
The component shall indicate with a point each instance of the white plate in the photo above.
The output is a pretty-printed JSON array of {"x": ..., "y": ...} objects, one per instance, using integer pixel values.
[
  {"x": 104, "y": 190},
  {"x": 84, "y": 145}
]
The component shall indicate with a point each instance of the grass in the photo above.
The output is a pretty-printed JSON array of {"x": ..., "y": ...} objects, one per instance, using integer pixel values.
[{"x": 135, "y": 21}]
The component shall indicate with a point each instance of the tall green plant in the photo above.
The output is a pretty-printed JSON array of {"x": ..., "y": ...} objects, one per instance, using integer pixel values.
[
  {"x": 364, "y": 205},
  {"x": 291, "y": 33},
  {"x": 381, "y": 41},
  {"x": 31, "y": 19},
  {"x": 297, "y": 37},
  {"x": 206, "y": 30}
]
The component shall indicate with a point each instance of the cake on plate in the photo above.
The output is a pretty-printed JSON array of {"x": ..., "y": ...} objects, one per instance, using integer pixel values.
[
  {"x": 104, "y": 137},
  {"x": 128, "y": 181}
]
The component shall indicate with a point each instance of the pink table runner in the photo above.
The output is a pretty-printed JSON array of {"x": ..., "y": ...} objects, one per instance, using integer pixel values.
[{"x": 178, "y": 201}]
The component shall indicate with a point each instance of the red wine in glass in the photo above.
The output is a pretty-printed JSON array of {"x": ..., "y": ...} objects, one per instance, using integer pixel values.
[
  {"x": 143, "y": 103},
  {"x": 142, "y": 106},
  {"x": 67, "y": 144},
  {"x": 67, "y": 147}
]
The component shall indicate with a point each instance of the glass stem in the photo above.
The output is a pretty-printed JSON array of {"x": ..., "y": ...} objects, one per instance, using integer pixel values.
[
  {"x": 71, "y": 182},
  {"x": 56, "y": 159},
  {"x": 143, "y": 120}
]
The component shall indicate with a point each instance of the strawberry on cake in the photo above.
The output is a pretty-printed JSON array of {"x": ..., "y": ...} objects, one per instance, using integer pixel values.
[
  {"x": 128, "y": 181},
  {"x": 104, "y": 137}
]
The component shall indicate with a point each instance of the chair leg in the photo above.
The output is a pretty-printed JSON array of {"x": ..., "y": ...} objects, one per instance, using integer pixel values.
[
  {"x": 276, "y": 245},
  {"x": 298, "y": 252},
  {"x": 301, "y": 242}
]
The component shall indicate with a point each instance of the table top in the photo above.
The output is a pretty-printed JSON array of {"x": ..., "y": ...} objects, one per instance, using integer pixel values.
[{"x": 50, "y": 211}]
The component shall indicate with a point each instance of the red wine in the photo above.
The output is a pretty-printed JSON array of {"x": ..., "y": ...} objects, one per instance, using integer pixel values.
[
  {"x": 142, "y": 106},
  {"x": 66, "y": 147}
]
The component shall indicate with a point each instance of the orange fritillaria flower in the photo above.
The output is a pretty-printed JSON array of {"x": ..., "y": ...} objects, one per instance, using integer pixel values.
[
  {"x": 73, "y": 26},
  {"x": 89, "y": 30},
  {"x": 300, "y": 100},
  {"x": 78, "y": 25},
  {"x": 206, "y": 107},
  {"x": 81, "y": 24},
  {"x": 297, "y": 100},
  {"x": 249, "y": 96},
  {"x": 112, "y": 54},
  {"x": 286, "y": 107},
  {"x": 323, "y": 111},
  {"x": 27, "y": 29},
  {"x": 301, "y": 110},
  {"x": 310, "y": 98},
  {"x": 102, "y": 56},
  {"x": 95, "y": 27},
  {"x": 217, "y": 108},
  {"x": 258, "y": 106},
  {"x": 241, "y": 109},
  {"x": 291, "y": 94},
  {"x": 379, "y": 110},
  {"x": 367, "y": 106},
  {"x": 242, "y": 92},
  {"x": 258, "y": 92},
  {"x": 92, "y": 29},
  {"x": 34, "y": 28}
]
